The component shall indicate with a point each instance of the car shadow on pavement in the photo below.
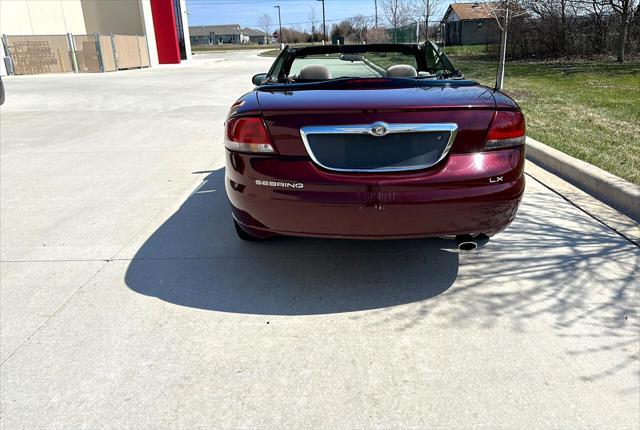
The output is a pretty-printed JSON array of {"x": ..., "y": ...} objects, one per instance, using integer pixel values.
[
  {"x": 554, "y": 268},
  {"x": 195, "y": 259}
]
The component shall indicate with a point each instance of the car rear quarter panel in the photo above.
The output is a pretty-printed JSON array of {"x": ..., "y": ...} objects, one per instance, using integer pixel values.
[
  {"x": 504, "y": 102},
  {"x": 245, "y": 105}
]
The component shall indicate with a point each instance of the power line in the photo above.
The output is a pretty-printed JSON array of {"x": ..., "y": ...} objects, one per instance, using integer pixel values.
[
  {"x": 236, "y": 2},
  {"x": 197, "y": 4},
  {"x": 297, "y": 23}
]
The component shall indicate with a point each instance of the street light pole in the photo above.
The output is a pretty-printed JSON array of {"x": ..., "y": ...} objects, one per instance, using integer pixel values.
[
  {"x": 280, "y": 24},
  {"x": 324, "y": 22}
]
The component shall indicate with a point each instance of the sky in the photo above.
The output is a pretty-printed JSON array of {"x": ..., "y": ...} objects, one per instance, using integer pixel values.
[{"x": 294, "y": 12}]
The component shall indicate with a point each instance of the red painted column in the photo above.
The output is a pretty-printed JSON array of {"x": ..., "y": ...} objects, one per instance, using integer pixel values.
[{"x": 164, "y": 25}]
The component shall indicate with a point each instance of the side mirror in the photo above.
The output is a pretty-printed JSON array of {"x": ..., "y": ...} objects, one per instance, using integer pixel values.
[{"x": 259, "y": 79}]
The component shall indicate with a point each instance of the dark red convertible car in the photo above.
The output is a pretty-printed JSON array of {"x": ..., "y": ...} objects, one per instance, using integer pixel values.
[{"x": 380, "y": 141}]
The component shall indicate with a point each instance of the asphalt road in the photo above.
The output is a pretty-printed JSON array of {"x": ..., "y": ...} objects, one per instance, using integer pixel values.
[{"x": 128, "y": 302}]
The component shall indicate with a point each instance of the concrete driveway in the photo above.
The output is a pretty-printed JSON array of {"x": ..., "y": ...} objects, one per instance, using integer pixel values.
[{"x": 128, "y": 302}]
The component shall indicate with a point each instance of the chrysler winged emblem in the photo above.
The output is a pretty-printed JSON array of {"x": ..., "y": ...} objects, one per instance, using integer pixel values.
[{"x": 379, "y": 129}]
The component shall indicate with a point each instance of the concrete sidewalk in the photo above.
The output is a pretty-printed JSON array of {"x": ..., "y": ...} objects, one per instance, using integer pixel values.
[{"x": 127, "y": 302}]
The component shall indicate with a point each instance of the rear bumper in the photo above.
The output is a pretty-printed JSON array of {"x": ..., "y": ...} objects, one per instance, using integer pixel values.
[{"x": 465, "y": 194}]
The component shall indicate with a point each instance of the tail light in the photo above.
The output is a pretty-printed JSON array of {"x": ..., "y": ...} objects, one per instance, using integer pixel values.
[
  {"x": 248, "y": 134},
  {"x": 507, "y": 130}
]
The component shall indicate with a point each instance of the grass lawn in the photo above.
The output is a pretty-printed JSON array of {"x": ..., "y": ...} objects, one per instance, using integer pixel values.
[
  {"x": 587, "y": 109},
  {"x": 274, "y": 52},
  {"x": 471, "y": 49}
]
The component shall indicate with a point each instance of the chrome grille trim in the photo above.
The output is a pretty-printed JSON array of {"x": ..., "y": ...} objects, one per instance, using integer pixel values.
[{"x": 450, "y": 127}]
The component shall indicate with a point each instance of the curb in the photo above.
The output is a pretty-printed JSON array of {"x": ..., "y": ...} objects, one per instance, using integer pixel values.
[{"x": 610, "y": 189}]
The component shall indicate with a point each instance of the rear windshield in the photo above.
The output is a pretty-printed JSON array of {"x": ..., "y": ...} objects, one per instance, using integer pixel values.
[{"x": 365, "y": 65}]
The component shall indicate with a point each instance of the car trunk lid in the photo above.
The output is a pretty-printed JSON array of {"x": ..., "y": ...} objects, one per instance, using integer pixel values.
[{"x": 286, "y": 113}]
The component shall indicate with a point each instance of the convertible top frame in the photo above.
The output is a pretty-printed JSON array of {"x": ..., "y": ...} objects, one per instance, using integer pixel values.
[{"x": 282, "y": 65}]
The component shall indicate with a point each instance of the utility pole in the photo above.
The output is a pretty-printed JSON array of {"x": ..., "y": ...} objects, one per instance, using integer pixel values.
[
  {"x": 324, "y": 22},
  {"x": 280, "y": 25},
  {"x": 375, "y": 2}
]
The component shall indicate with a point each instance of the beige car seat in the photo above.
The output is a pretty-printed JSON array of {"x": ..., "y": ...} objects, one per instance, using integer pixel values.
[
  {"x": 314, "y": 72},
  {"x": 401, "y": 71}
]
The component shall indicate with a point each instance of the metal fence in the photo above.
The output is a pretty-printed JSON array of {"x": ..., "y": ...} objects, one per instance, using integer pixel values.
[
  {"x": 87, "y": 52},
  {"x": 38, "y": 54},
  {"x": 80, "y": 53},
  {"x": 108, "y": 55},
  {"x": 405, "y": 34}
]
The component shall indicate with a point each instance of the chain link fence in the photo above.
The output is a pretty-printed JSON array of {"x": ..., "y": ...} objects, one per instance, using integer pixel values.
[
  {"x": 80, "y": 53},
  {"x": 405, "y": 34}
]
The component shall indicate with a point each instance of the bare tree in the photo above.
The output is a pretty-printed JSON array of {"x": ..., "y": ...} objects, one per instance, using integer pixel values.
[
  {"x": 342, "y": 29},
  {"x": 503, "y": 11},
  {"x": 265, "y": 23},
  {"x": 557, "y": 20},
  {"x": 397, "y": 12},
  {"x": 624, "y": 9},
  {"x": 295, "y": 34},
  {"x": 377, "y": 35},
  {"x": 598, "y": 12},
  {"x": 426, "y": 10},
  {"x": 560, "y": 28},
  {"x": 360, "y": 24}
]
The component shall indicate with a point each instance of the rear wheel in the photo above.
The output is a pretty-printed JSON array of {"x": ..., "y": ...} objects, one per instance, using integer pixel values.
[{"x": 244, "y": 235}]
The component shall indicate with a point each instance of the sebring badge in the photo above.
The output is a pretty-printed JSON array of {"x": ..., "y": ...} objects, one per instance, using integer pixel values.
[
  {"x": 379, "y": 129},
  {"x": 279, "y": 184}
]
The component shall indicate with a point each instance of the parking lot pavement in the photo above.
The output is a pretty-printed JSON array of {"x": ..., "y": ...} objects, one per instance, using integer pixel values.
[{"x": 127, "y": 301}]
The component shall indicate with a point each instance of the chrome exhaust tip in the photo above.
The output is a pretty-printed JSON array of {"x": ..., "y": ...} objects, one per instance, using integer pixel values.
[{"x": 466, "y": 242}]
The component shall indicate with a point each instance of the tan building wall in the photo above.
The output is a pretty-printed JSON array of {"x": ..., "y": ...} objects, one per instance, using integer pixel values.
[
  {"x": 118, "y": 17},
  {"x": 26, "y": 17}
]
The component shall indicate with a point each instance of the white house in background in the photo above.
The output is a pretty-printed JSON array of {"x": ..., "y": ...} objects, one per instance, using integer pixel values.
[
  {"x": 217, "y": 34},
  {"x": 256, "y": 36}
]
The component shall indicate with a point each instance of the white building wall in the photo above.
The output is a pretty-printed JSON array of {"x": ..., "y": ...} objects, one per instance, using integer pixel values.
[
  {"x": 185, "y": 26},
  {"x": 147, "y": 24},
  {"x": 25, "y": 17}
]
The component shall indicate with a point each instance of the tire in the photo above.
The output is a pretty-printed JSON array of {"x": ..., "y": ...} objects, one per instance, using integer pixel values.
[{"x": 243, "y": 235}]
